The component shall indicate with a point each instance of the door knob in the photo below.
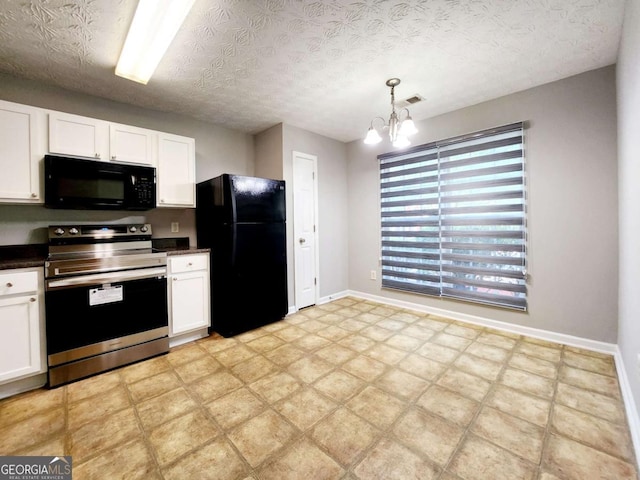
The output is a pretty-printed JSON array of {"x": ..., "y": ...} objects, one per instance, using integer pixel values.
[{"x": 302, "y": 240}]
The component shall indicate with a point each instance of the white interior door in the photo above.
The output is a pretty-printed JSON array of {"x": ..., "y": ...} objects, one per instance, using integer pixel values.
[{"x": 305, "y": 229}]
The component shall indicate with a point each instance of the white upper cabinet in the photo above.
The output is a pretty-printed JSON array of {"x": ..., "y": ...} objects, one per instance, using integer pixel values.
[
  {"x": 78, "y": 136},
  {"x": 132, "y": 144},
  {"x": 21, "y": 152},
  {"x": 176, "y": 171}
]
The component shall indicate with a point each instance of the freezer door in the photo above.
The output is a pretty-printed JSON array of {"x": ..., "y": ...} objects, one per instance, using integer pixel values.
[{"x": 253, "y": 199}]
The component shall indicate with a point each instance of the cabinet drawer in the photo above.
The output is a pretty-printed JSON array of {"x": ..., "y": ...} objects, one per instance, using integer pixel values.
[
  {"x": 13, "y": 283},
  {"x": 188, "y": 263}
]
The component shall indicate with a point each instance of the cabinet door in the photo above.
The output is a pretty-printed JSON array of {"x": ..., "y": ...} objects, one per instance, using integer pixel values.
[
  {"x": 176, "y": 171},
  {"x": 81, "y": 136},
  {"x": 189, "y": 293},
  {"x": 131, "y": 144},
  {"x": 21, "y": 152},
  {"x": 19, "y": 337}
]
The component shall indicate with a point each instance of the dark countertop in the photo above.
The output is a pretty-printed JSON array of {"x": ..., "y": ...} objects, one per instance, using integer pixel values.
[
  {"x": 184, "y": 250},
  {"x": 22, "y": 256}
]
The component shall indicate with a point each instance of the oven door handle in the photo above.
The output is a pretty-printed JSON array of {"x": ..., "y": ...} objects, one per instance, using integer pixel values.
[{"x": 102, "y": 278}]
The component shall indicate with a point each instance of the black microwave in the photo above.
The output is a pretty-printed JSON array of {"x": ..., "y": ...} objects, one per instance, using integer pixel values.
[{"x": 76, "y": 183}]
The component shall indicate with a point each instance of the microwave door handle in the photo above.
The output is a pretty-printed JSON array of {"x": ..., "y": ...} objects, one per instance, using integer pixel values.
[{"x": 102, "y": 278}]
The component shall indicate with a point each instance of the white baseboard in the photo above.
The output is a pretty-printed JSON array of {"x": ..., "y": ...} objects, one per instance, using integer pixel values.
[
  {"x": 188, "y": 337},
  {"x": 19, "y": 386},
  {"x": 333, "y": 296},
  {"x": 629, "y": 404}
]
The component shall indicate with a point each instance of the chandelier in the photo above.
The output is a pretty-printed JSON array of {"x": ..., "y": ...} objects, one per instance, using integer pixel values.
[{"x": 399, "y": 129}]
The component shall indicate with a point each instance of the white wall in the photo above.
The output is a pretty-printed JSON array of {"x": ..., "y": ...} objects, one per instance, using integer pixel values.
[
  {"x": 218, "y": 150},
  {"x": 628, "y": 82},
  {"x": 571, "y": 148}
]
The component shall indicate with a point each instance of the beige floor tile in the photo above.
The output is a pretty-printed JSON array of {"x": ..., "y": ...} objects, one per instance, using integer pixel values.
[
  {"x": 418, "y": 331},
  {"x": 261, "y": 437},
  {"x": 269, "y": 342},
  {"x": 605, "y": 436},
  {"x": 405, "y": 316},
  {"x": 539, "y": 351},
  {"x": 448, "y": 405},
  {"x": 215, "y": 386},
  {"x": 487, "y": 352},
  {"x": 377, "y": 407},
  {"x": 438, "y": 319},
  {"x": 363, "y": 307},
  {"x": 433, "y": 323},
  {"x": 374, "y": 332},
  {"x": 141, "y": 370},
  {"x": 313, "y": 326},
  {"x": 285, "y": 355},
  {"x": 404, "y": 342},
  {"x": 96, "y": 385},
  {"x": 528, "y": 383},
  {"x": 33, "y": 430},
  {"x": 331, "y": 318},
  {"x": 180, "y": 435},
  {"x": 571, "y": 460},
  {"x": 132, "y": 460},
  {"x": 305, "y": 408},
  {"x": 335, "y": 354},
  {"x": 233, "y": 356},
  {"x": 384, "y": 311},
  {"x": 390, "y": 460},
  {"x": 275, "y": 326},
  {"x": 422, "y": 367},
  {"x": 590, "y": 381},
  {"x": 21, "y": 407},
  {"x": 357, "y": 343},
  {"x": 428, "y": 434},
  {"x": 529, "y": 408},
  {"x": 604, "y": 366},
  {"x": 251, "y": 370},
  {"x": 344, "y": 435},
  {"x": 451, "y": 341},
  {"x": 478, "y": 366},
  {"x": 160, "y": 409},
  {"x": 465, "y": 384},
  {"x": 438, "y": 352},
  {"x": 304, "y": 460},
  {"x": 591, "y": 353},
  {"x": 192, "y": 371},
  {"x": 385, "y": 354},
  {"x": 347, "y": 301},
  {"x": 235, "y": 408},
  {"x": 251, "y": 335},
  {"x": 535, "y": 365},
  {"x": 214, "y": 343},
  {"x": 462, "y": 331},
  {"x": 89, "y": 409},
  {"x": 52, "y": 446},
  {"x": 185, "y": 353},
  {"x": 478, "y": 459},
  {"x": 391, "y": 324},
  {"x": 311, "y": 342},
  {"x": 590, "y": 402},
  {"x": 309, "y": 369},
  {"x": 353, "y": 325},
  {"x": 517, "y": 436},
  {"x": 153, "y": 386},
  {"x": 339, "y": 385},
  {"x": 216, "y": 460},
  {"x": 333, "y": 333},
  {"x": 275, "y": 386},
  {"x": 544, "y": 343},
  {"x": 495, "y": 340},
  {"x": 96, "y": 437},
  {"x": 547, "y": 476},
  {"x": 329, "y": 307},
  {"x": 347, "y": 312},
  {"x": 402, "y": 384}
]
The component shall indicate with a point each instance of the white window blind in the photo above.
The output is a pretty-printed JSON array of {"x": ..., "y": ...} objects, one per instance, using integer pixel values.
[{"x": 454, "y": 218}]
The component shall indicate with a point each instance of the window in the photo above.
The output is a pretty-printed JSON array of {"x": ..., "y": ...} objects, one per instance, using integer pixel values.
[{"x": 454, "y": 218}]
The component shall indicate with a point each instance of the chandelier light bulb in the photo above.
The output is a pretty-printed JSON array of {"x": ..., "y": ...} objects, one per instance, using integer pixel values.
[
  {"x": 407, "y": 127},
  {"x": 372, "y": 137},
  {"x": 401, "y": 142}
]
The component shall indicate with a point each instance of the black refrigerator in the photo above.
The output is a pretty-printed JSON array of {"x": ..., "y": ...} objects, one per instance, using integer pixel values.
[{"x": 243, "y": 221}]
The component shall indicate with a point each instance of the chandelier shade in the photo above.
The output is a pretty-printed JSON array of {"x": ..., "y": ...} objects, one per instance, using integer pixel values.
[{"x": 399, "y": 127}]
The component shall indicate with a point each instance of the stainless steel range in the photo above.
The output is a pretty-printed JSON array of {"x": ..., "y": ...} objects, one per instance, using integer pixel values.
[{"x": 105, "y": 298}]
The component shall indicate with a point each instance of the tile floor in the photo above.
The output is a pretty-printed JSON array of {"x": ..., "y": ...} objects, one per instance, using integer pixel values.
[{"x": 347, "y": 390}]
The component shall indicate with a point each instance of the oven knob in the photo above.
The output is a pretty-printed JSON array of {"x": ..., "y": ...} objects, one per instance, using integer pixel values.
[
  {"x": 133, "y": 229},
  {"x": 59, "y": 231},
  {"x": 73, "y": 231},
  {"x": 144, "y": 228}
]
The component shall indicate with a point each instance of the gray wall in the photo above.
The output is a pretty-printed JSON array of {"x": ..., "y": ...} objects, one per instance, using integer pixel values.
[
  {"x": 218, "y": 150},
  {"x": 268, "y": 148},
  {"x": 629, "y": 194},
  {"x": 572, "y": 199}
]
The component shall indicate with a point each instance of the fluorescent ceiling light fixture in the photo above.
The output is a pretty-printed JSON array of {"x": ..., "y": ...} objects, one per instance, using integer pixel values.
[{"x": 154, "y": 25}]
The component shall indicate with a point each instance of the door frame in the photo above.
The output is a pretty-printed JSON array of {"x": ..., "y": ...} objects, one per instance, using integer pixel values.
[{"x": 314, "y": 160}]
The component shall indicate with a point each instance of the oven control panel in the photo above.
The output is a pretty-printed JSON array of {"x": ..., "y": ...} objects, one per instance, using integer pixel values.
[{"x": 99, "y": 231}]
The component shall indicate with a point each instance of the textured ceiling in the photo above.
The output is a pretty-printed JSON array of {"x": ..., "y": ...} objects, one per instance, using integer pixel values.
[{"x": 318, "y": 65}]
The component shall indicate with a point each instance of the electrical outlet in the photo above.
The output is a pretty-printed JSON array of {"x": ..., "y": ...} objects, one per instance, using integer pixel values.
[
  {"x": 175, "y": 227},
  {"x": 373, "y": 275}
]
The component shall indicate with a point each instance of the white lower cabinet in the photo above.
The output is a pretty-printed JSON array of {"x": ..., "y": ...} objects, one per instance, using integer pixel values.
[
  {"x": 188, "y": 295},
  {"x": 22, "y": 350}
]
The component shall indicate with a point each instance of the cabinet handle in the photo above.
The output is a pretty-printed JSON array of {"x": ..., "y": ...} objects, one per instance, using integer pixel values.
[
  {"x": 189, "y": 264},
  {"x": 97, "y": 155},
  {"x": 162, "y": 200},
  {"x": 113, "y": 157},
  {"x": 9, "y": 284},
  {"x": 175, "y": 278},
  {"x": 32, "y": 299},
  {"x": 34, "y": 195}
]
